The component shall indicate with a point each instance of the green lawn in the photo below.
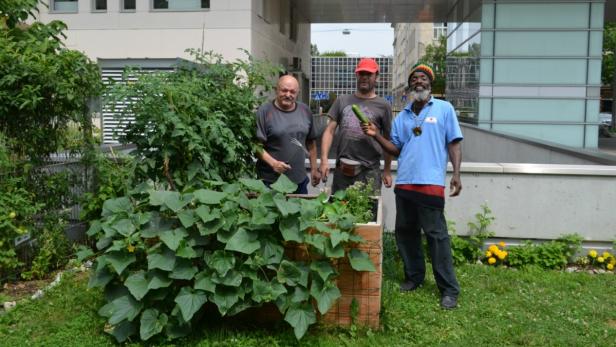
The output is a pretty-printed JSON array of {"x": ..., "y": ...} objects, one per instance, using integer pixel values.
[{"x": 497, "y": 307}]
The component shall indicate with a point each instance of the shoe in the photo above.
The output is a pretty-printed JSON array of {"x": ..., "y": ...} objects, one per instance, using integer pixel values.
[
  {"x": 449, "y": 302},
  {"x": 408, "y": 286}
]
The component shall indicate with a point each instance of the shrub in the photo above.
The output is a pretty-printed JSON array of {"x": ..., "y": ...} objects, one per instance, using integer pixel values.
[
  {"x": 164, "y": 254},
  {"x": 554, "y": 254},
  {"x": 468, "y": 249}
]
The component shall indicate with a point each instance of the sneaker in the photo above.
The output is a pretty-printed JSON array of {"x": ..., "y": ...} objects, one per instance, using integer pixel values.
[
  {"x": 449, "y": 302},
  {"x": 408, "y": 286}
]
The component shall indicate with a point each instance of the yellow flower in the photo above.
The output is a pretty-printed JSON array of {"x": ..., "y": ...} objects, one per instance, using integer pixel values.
[
  {"x": 502, "y": 244},
  {"x": 613, "y": 261},
  {"x": 130, "y": 248},
  {"x": 592, "y": 253},
  {"x": 600, "y": 259},
  {"x": 493, "y": 248},
  {"x": 610, "y": 266},
  {"x": 501, "y": 255},
  {"x": 492, "y": 260},
  {"x": 606, "y": 254},
  {"x": 488, "y": 254}
]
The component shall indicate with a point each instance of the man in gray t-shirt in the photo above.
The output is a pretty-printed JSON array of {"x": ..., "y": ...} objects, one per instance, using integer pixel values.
[
  {"x": 358, "y": 155},
  {"x": 285, "y": 128}
]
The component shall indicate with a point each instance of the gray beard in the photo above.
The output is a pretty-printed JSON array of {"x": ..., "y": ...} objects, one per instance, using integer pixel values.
[{"x": 424, "y": 95}]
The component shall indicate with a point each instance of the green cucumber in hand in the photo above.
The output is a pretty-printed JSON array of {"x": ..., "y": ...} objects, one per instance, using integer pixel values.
[{"x": 359, "y": 114}]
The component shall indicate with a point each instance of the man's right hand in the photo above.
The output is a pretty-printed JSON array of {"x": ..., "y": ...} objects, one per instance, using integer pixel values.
[
  {"x": 280, "y": 167},
  {"x": 324, "y": 169}
]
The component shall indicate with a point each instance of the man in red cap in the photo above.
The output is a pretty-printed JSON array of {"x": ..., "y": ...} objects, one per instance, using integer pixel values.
[{"x": 358, "y": 156}]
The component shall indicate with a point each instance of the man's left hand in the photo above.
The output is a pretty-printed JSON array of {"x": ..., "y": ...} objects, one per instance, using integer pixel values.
[
  {"x": 455, "y": 186},
  {"x": 315, "y": 176},
  {"x": 387, "y": 179}
]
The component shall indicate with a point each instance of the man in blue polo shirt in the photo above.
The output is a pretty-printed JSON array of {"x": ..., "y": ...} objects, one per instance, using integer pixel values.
[{"x": 424, "y": 135}]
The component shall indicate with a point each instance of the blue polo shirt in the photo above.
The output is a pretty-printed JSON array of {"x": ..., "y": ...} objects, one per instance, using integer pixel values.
[{"x": 423, "y": 158}]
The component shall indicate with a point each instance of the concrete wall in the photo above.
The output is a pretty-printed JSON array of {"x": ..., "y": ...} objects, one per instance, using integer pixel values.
[
  {"x": 481, "y": 145},
  {"x": 530, "y": 201}
]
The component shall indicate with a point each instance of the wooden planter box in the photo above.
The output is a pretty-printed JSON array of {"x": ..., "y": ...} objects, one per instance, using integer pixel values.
[{"x": 362, "y": 287}]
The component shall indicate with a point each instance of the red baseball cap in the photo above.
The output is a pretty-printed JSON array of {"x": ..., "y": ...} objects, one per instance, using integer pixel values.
[{"x": 367, "y": 64}]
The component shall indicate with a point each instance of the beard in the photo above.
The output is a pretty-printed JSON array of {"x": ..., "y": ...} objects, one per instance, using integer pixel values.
[{"x": 421, "y": 96}]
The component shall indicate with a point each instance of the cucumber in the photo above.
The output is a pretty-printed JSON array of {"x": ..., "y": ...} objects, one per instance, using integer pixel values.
[{"x": 359, "y": 114}]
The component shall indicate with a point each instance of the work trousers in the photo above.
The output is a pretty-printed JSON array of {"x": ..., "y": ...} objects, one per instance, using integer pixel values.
[{"x": 411, "y": 218}]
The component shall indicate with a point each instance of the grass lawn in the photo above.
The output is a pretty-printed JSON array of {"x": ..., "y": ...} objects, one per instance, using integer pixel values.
[{"x": 497, "y": 307}]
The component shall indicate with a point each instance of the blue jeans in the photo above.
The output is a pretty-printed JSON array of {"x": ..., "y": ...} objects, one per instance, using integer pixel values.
[{"x": 411, "y": 218}]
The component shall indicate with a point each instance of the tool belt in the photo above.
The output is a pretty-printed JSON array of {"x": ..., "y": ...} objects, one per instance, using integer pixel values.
[{"x": 349, "y": 168}]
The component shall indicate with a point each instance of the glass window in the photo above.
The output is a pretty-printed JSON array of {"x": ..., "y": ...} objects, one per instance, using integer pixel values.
[
  {"x": 99, "y": 5},
  {"x": 180, "y": 4},
  {"x": 64, "y": 6},
  {"x": 128, "y": 5}
]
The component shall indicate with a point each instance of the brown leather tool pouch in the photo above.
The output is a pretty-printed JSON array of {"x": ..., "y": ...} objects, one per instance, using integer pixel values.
[{"x": 349, "y": 168}]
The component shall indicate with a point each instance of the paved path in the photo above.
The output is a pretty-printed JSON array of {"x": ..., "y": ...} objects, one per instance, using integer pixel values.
[{"x": 607, "y": 145}]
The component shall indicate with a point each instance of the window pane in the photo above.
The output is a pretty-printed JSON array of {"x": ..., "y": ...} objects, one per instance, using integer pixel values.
[
  {"x": 161, "y": 4},
  {"x": 129, "y": 4},
  {"x": 100, "y": 5},
  {"x": 65, "y": 5},
  {"x": 205, "y": 3}
]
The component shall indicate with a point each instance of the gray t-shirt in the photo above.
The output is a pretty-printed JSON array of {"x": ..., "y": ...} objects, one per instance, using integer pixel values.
[
  {"x": 284, "y": 134},
  {"x": 352, "y": 142}
]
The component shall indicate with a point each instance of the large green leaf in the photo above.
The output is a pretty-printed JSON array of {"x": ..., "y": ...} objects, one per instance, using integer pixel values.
[
  {"x": 289, "y": 228},
  {"x": 286, "y": 207},
  {"x": 124, "y": 307},
  {"x": 318, "y": 241},
  {"x": 325, "y": 293},
  {"x": 254, "y": 185},
  {"x": 271, "y": 252},
  {"x": 203, "y": 281},
  {"x": 120, "y": 260},
  {"x": 300, "y": 319},
  {"x": 157, "y": 279},
  {"x": 156, "y": 226},
  {"x": 261, "y": 215},
  {"x": 206, "y": 214},
  {"x": 243, "y": 241},
  {"x": 334, "y": 252},
  {"x": 221, "y": 261},
  {"x": 123, "y": 330},
  {"x": 152, "y": 323},
  {"x": 337, "y": 236},
  {"x": 300, "y": 294},
  {"x": 118, "y": 205},
  {"x": 187, "y": 218},
  {"x": 232, "y": 279},
  {"x": 323, "y": 268},
  {"x": 360, "y": 261},
  {"x": 209, "y": 197},
  {"x": 261, "y": 291},
  {"x": 292, "y": 273},
  {"x": 310, "y": 209},
  {"x": 190, "y": 301},
  {"x": 225, "y": 298},
  {"x": 141, "y": 218},
  {"x": 137, "y": 284},
  {"x": 186, "y": 251},
  {"x": 164, "y": 261},
  {"x": 95, "y": 228},
  {"x": 284, "y": 185},
  {"x": 100, "y": 277},
  {"x": 183, "y": 270},
  {"x": 124, "y": 226},
  {"x": 213, "y": 226},
  {"x": 169, "y": 199},
  {"x": 173, "y": 238}
]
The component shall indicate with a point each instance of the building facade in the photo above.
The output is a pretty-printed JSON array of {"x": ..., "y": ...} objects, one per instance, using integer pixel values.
[
  {"x": 410, "y": 41},
  {"x": 152, "y": 32},
  {"x": 336, "y": 75},
  {"x": 531, "y": 69}
]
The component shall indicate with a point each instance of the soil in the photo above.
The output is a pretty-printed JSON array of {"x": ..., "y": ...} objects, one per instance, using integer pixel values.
[{"x": 15, "y": 291}]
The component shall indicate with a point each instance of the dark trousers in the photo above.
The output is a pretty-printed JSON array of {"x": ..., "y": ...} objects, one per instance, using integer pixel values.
[
  {"x": 411, "y": 218},
  {"x": 342, "y": 182}
]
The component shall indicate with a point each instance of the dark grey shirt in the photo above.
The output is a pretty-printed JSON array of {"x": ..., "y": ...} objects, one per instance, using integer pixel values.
[
  {"x": 352, "y": 142},
  {"x": 284, "y": 134}
]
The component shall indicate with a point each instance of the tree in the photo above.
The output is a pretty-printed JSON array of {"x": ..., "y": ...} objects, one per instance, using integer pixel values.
[
  {"x": 314, "y": 50},
  {"x": 333, "y": 54},
  {"x": 44, "y": 87},
  {"x": 608, "y": 77},
  {"x": 435, "y": 56}
]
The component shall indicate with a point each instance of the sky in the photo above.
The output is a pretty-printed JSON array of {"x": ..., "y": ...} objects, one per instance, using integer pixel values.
[{"x": 366, "y": 40}]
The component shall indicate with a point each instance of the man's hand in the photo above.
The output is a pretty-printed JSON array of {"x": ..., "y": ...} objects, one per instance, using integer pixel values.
[
  {"x": 455, "y": 186},
  {"x": 324, "y": 170},
  {"x": 387, "y": 179},
  {"x": 279, "y": 166},
  {"x": 315, "y": 176},
  {"x": 369, "y": 129}
]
